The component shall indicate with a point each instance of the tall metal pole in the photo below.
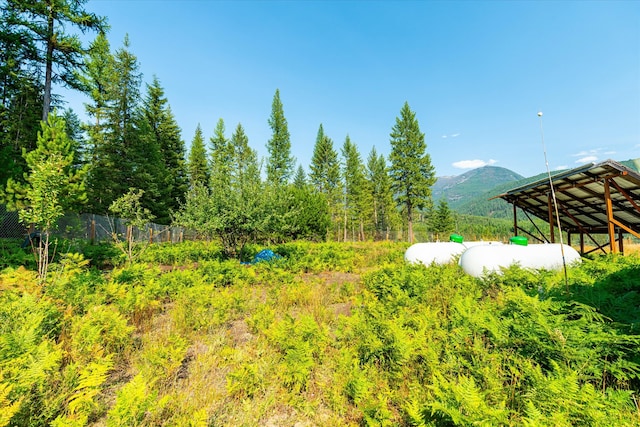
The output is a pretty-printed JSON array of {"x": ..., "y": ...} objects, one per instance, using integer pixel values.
[{"x": 555, "y": 203}]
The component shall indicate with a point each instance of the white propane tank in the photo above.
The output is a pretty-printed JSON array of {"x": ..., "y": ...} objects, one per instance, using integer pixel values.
[
  {"x": 480, "y": 259},
  {"x": 439, "y": 252}
]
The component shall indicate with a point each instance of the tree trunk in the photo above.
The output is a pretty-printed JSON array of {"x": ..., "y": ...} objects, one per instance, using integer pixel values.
[
  {"x": 410, "y": 222},
  {"x": 345, "y": 224},
  {"x": 46, "y": 105}
]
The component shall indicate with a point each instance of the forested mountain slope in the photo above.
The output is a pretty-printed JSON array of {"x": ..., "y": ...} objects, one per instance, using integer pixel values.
[{"x": 464, "y": 196}]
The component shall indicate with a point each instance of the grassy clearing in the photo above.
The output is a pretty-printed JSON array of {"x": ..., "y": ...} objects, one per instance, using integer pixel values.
[{"x": 331, "y": 334}]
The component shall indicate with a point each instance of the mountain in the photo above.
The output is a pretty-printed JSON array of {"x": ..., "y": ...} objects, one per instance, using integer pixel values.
[
  {"x": 459, "y": 189},
  {"x": 472, "y": 192}
]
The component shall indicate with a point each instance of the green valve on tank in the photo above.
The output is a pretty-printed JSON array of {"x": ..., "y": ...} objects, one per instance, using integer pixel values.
[
  {"x": 456, "y": 238},
  {"x": 519, "y": 240}
]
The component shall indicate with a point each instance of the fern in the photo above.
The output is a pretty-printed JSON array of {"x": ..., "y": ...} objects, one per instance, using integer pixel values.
[
  {"x": 92, "y": 377},
  {"x": 132, "y": 403},
  {"x": 7, "y": 408}
]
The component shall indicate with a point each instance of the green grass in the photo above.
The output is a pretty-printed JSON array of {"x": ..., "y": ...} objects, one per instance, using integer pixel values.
[{"x": 332, "y": 334}]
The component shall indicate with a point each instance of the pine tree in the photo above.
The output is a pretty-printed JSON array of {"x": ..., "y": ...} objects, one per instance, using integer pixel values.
[
  {"x": 384, "y": 215},
  {"x": 53, "y": 140},
  {"x": 98, "y": 81},
  {"x": 247, "y": 171},
  {"x": 198, "y": 165},
  {"x": 441, "y": 220},
  {"x": 325, "y": 174},
  {"x": 165, "y": 131},
  {"x": 411, "y": 171},
  {"x": 280, "y": 163},
  {"x": 60, "y": 54},
  {"x": 221, "y": 158},
  {"x": 353, "y": 173},
  {"x": 127, "y": 153},
  {"x": 20, "y": 94},
  {"x": 300, "y": 178}
]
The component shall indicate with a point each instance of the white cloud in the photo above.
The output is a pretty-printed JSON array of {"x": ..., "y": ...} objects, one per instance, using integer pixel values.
[
  {"x": 587, "y": 159},
  {"x": 586, "y": 153},
  {"x": 561, "y": 167},
  {"x": 472, "y": 164},
  {"x": 452, "y": 135}
]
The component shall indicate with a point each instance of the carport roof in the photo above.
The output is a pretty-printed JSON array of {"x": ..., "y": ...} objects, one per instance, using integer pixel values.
[{"x": 591, "y": 198}]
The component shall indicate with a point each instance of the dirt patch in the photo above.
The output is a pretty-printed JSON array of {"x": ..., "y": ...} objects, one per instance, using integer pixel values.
[
  {"x": 341, "y": 308},
  {"x": 239, "y": 332},
  {"x": 165, "y": 268},
  {"x": 190, "y": 356},
  {"x": 331, "y": 277}
]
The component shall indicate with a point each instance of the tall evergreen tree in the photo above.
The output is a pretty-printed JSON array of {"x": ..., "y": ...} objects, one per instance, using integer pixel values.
[
  {"x": 384, "y": 213},
  {"x": 325, "y": 169},
  {"x": 325, "y": 174},
  {"x": 60, "y": 54},
  {"x": 165, "y": 131},
  {"x": 20, "y": 94},
  {"x": 411, "y": 171},
  {"x": 355, "y": 205},
  {"x": 198, "y": 165},
  {"x": 221, "y": 157},
  {"x": 127, "y": 153},
  {"x": 97, "y": 80},
  {"x": 280, "y": 163},
  {"x": 247, "y": 171}
]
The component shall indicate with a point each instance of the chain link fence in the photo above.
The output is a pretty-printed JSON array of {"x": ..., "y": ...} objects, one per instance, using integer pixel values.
[{"x": 95, "y": 228}]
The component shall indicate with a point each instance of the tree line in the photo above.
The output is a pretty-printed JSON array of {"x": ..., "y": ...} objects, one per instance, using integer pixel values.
[{"x": 131, "y": 144}]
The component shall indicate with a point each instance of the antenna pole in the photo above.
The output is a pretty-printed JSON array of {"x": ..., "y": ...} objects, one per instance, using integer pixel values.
[{"x": 555, "y": 203}]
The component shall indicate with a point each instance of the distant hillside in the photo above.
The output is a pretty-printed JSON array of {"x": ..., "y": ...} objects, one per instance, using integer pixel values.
[
  {"x": 485, "y": 205},
  {"x": 482, "y": 204},
  {"x": 458, "y": 190}
]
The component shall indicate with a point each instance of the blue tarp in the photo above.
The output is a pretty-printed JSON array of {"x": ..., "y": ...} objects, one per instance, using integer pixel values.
[{"x": 265, "y": 255}]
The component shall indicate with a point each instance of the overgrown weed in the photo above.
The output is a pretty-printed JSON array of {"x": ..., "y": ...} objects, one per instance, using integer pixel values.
[{"x": 331, "y": 334}]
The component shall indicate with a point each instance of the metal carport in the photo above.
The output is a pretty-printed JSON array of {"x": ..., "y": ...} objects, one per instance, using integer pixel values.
[{"x": 597, "y": 198}]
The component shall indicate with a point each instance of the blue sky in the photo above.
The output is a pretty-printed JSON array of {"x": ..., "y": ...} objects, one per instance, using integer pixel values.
[{"x": 475, "y": 72}]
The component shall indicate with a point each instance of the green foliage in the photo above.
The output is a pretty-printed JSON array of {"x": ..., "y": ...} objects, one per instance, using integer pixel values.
[
  {"x": 280, "y": 162},
  {"x": 357, "y": 202},
  {"x": 102, "y": 331},
  {"x": 384, "y": 213},
  {"x": 133, "y": 401},
  {"x": 204, "y": 308},
  {"x": 198, "y": 162},
  {"x": 129, "y": 209},
  {"x": 7, "y": 408},
  {"x": 300, "y": 341},
  {"x": 441, "y": 221},
  {"x": 12, "y": 255},
  {"x": 411, "y": 171},
  {"x": 164, "y": 130},
  {"x": 332, "y": 333},
  {"x": 162, "y": 359},
  {"x": 325, "y": 175},
  {"x": 85, "y": 386},
  {"x": 53, "y": 186}
]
